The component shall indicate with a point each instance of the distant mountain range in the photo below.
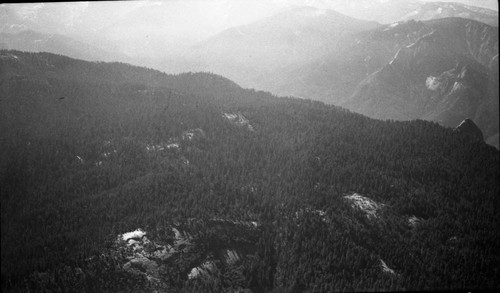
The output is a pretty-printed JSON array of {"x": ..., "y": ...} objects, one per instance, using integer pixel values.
[
  {"x": 448, "y": 74},
  {"x": 252, "y": 54},
  {"x": 32, "y": 41},
  {"x": 347, "y": 72},
  {"x": 325, "y": 55},
  {"x": 436, "y": 10},
  {"x": 390, "y": 11}
]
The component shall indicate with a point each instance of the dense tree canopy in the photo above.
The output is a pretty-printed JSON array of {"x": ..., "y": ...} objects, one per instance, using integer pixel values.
[{"x": 92, "y": 150}]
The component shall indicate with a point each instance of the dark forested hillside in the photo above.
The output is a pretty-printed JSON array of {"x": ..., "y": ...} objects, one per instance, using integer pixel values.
[{"x": 116, "y": 178}]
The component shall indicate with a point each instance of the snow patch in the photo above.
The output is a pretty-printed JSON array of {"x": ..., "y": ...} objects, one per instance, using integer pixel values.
[{"x": 137, "y": 234}]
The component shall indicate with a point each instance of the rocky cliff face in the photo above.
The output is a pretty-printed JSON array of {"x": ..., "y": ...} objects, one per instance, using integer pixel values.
[
  {"x": 468, "y": 127},
  {"x": 446, "y": 75}
]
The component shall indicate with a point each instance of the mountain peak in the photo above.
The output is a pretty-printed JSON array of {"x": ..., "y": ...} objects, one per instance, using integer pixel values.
[{"x": 468, "y": 127}]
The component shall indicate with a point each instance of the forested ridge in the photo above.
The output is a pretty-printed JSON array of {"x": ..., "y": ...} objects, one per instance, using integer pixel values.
[{"x": 90, "y": 151}]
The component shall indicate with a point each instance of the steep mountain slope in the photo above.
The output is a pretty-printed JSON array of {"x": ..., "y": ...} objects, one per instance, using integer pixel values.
[
  {"x": 117, "y": 178},
  {"x": 334, "y": 77},
  {"x": 251, "y": 54},
  {"x": 470, "y": 128},
  {"x": 437, "y": 10},
  {"x": 390, "y": 11},
  {"x": 446, "y": 75}
]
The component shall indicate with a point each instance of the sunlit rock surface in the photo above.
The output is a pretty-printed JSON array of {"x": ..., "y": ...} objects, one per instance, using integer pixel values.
[
  {"x": 204, "y": 269},
  {"x": 238, "y": 119},
  {"x": 145, "y": 257},
  {"x": 365, "y": 204},
  {"x": 187, "y": 248},
  {"x": 386, "y": 269}
]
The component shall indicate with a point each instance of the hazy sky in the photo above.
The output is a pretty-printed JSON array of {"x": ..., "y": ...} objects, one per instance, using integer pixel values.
[{"x": 135, "y": 26}]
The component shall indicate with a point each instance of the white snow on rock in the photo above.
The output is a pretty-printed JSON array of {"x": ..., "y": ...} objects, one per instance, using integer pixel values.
[
  {"x": 238, "y": 119},
  {"x": 137, "y": 234},
  {"x": 432, "y": 83},
  {"x": 365, "y": 204},
  {"x": 386, "y": 269}
]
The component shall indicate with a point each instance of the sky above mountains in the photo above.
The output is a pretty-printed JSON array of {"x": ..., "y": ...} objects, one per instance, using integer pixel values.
[{"x": 142, "y": 27}]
